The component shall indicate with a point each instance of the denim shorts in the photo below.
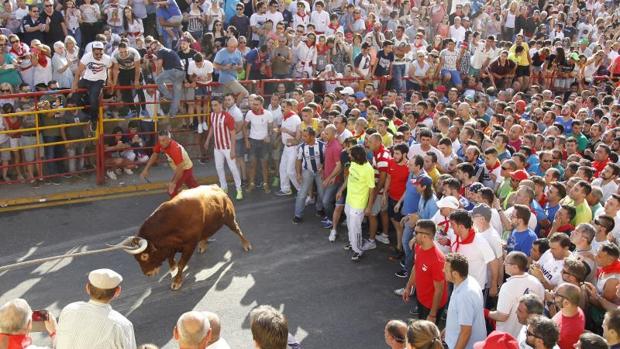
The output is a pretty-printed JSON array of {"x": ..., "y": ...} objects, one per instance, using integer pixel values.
[{"x": 455, "y": 76}]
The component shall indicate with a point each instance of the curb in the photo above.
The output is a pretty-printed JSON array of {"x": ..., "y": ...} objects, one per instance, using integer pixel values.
[{"x": 93, "y": 193}]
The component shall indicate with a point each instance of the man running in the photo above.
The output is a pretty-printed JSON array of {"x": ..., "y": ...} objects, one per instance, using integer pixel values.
[{"x": 179, "y": 161}]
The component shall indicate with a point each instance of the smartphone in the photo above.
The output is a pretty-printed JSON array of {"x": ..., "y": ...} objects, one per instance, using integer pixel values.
[{"x": 40, "y": 315}]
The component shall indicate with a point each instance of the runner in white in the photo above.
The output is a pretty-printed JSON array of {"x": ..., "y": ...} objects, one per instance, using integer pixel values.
[{"x": 291, "y": 134}]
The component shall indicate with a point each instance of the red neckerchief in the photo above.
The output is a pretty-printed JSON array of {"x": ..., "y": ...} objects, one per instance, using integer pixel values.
[
  {"x": 613, "y": 268},
  {"x": 358, "y": 136},
  {"x": 17, "y": 341},
  {"x": 445, "y": 226},
  {"x": 333, "y": 26},
  {"x": 288, "y": 115},
  {"x": 599, "y": 166},
  {"x": 260, "y": 112},
  {"x": 20, "y": 51},
  {"x": 468, "y": 240},
  {"x": 302, "y": 16},
  {"x": 543, "y": 200},
  {"x": 566, "y": 228},
  {"x": 496, "y": 165}
]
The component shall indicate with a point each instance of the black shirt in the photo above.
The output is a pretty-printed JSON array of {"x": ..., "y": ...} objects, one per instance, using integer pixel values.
[
  {"x": 170, "y": 59},
  {"x": 27, "y": 21},
  {"x": 242, "y": 24},
  {"x": 55, "y": 32}
]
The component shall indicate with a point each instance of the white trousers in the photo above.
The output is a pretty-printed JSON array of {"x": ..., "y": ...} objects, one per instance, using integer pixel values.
[
  {"x": 221, "y": 155},
  {"x": 355, "y": 217},
  {"x": 287, "y": 169}
]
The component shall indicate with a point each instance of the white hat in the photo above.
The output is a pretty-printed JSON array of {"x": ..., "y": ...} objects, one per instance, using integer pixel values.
[
  {"x": 97, "y": 44},
  {"x": 448, "y": 202},
  {"x": 105, "y": 279},
  {"x": 347, "y": 91}
]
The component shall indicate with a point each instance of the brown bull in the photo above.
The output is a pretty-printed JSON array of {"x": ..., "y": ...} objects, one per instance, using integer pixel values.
[{"x": 181, "y": 224}]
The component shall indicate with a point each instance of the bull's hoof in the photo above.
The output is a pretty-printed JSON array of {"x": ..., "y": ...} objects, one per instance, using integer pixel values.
[
  {"x": 202, "y": 247},
  {"x": 247, "y": 247},
  {"x": 174, "y": 271},
  {"x": 176, "y": 285}
]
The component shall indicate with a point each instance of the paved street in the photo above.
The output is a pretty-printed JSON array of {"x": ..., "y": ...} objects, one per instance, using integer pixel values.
[{"x": 330, "y": 301}]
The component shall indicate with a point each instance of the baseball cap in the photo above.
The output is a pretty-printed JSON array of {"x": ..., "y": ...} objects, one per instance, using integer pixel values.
[
  {"x": 347, "y": 91},
  {"x": 441, "y": 88},
  {"x": 105, "y": 279},
  {"x": 476, "y": 187},
  {"x": 423, "y": 180},
  {"x": 519, "y": 175},
  {"x": 497, "y": 339},
  {"x": 97, "y": 45},
  {"x": 483, "y": 210},
  {"x": 448, "y": 202}
]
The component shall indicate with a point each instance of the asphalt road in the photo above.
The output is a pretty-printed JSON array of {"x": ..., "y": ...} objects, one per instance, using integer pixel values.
[{"x": 330, "y": 301}]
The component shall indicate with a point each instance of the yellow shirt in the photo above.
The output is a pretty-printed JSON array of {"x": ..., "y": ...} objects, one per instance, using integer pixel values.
[
  {"x": 434, "y": 174},
  {"x": 359, "y": 182},
  {"x": 522, "y": 59},
  {"x": 387, "y": 139},
  {"x": 315, "y": 125}
]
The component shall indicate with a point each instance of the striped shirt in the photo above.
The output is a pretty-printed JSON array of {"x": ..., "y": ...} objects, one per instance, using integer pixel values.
[
  {"x": 312, "y": 156},
  {"x": 381, "y": 161},
  {"x": 222, "y": 124},
  {"x": 93, "y": 325}
]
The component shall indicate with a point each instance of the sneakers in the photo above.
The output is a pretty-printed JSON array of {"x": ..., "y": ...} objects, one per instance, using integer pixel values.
[
  {"x": 327, "y": 224},
  {"x": 369, "y": 245},
  {"x": 399, "y": 291},
  {"x": 383, "y": 238},
  {"x": 347, "y": 246},
  {"x": 200, "y": 130},
  {"x": 356, "y": 256},
  {"x": 284, "y": 193},
  {"x": 204, "y": 126},
  {"x": 239, "y": 194},
  {"x": 111, "y": 175},
  {"x": 266, "y": 188},
  {"x": 296, "y": 220},
  {"x": 310, "y": 201},
  {"x": 251, "y": 187},
  {"x": 401, "y": 274},
  {"x": 332, "y": 236},
  {"x": 128, "y": 171}
]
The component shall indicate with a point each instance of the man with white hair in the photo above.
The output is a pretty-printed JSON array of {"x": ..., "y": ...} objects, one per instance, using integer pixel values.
[
  {"x": 16, "y": 323},
  {"x": 193, "y": 330},
  {"x": 216, "y": 342}
]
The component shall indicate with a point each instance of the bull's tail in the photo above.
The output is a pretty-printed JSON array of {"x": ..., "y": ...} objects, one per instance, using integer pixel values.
[{"x": 231, "y": 222}]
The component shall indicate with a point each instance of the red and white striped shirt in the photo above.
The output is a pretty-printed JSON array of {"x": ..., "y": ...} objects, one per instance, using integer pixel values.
[{"x": 222, "y": 124}]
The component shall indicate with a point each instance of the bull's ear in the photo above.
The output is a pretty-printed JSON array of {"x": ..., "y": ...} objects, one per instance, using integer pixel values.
[{"x": 144, "y": 257}]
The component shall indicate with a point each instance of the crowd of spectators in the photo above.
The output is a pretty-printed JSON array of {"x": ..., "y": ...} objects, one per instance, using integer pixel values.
[{"x": 485, "y": 133}]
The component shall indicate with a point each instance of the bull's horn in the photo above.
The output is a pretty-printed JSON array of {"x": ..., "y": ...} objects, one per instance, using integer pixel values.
[{"x": 138, "y": 245}]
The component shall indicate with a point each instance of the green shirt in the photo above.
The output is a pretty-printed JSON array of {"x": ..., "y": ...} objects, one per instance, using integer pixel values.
[
  {"x": 583, "y": 214},
  {"x": 582, "y": 142},
  {"x": 361, "y": 179}
]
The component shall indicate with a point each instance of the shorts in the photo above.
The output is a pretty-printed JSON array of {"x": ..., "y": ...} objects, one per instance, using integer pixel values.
[
  {"x": 234, "y": 87},
  {"x": 522, "y": 70},
  {"x": 188, "y": 94},
  {"x": 474, "y": 72},
  {"x": 29, "y": 153},
  {"x": 536, "y": 69},
  {"x": 259, "y": 150},
  {"x": 343, "y": 199},
  {"x": 455, "y": 76},
  {"x": 15, "y": 142},
  {"x": 240, "y": 149},
  {"x": 201, "y": 91},
  {"x": 5, "y": 155},
  {"x": 397, "y": 216},
  {"x": 377, "y": 206}
]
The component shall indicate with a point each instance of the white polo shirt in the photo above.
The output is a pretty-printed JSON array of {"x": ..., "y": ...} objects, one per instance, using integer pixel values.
[
  {"x": 478, "y": 254},
  {"x": 508, "y": 300},
  {"x": 259, "y": 124}
]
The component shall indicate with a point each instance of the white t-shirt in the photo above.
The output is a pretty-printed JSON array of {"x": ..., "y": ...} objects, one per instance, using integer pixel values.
[
  {"x": 275, "y": 17},
  {"x": 508, "y": 300},
  {"x": 496, "y": 222},
  {"x": 320, "y": 20},
  {"x": 96, "y": 69},
  {"x": 291, "y": 123},
  {"x": 444, "y": 161},
  {"x": 607, "y": 189},
  {"x": 495, "y": 242},
  {"x": 202, "y": 73},
  {"x": 551, "y": 268},
  {"x": 220, "y": 344},
  {"x": 438, "y": 219},
  {"x": 478, "y": 254},
  {"x": 259, "y": 124},
  {"x": 530, "y": 224},
  {"x": 257, "y": 20},
  {"x": 344, "y": 135},
  {"x": 457, "y": 34},
  {"x": 416, "y": 149},
  {"x": 237, "y": 115}
]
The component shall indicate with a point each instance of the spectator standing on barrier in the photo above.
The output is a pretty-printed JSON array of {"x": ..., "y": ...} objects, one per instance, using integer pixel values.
[
  {"x": 223, "y": 133},
  {"x": 258, "y": 141},
  {"x": 127, "y": 71},
  {"x": 16, "y": 325},
  {"x": 179, "y": 161},
  {"x": 91, "y": 75},
  {"x": 94, "y": 324},
  {"x": 168, "y": 69},
  {"x": 228, "y": 62}
]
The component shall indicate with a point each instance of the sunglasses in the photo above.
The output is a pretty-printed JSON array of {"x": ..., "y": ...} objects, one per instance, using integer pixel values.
[
  {"x": 5, "y": 90},
  {"x": 14, "y": 41},
  {"x": 48, "y": 5},
  {"x": 37, "y": 11}
]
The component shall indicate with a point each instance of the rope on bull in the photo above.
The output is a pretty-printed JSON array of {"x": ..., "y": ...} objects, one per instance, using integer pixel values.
[{"x": 129, "y": 244}]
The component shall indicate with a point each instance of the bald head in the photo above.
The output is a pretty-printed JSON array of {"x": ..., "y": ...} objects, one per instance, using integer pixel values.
[
  {"x": 570, "y": 292},
  {"x": 193, "y": 330},
  {"x": 15, "y": 317},
  {"x": 331, "y": 132},
  {"x": 214, "y": 322},
  {"x": 232, "y": 44}
]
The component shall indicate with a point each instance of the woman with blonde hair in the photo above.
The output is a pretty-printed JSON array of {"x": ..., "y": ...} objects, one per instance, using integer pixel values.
[{"x": 423, "y": 334}]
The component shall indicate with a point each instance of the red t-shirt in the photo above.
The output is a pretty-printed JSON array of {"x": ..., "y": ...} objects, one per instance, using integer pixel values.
[
  {"x": 428, "y": 268},
  {"x": 398, "y": 182},
  {"x": 570, "y": 328}
]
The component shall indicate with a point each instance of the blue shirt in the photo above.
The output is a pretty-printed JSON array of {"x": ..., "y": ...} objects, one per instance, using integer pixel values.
[
  {"x": 521, "y": 241},
  {"x": 540, "y": 214},
  {"x": 427, "y": 208},
  {"x": 170, "y": 59},
  {"x": 230, "y": 8},
  {"x": 534, "y": 163},
  {"x": 411, "y": 201},
  {"x": 466, "y": 308},
  {"x": 225, "y": 57},
  {"x": 504, "y": 155},
  {"x": 551, "y": 211},
  {"x": 169, "y": 11}
]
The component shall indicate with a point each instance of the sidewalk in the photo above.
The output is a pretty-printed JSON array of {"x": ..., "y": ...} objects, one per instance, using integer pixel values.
[{"x": 14, "y": 196}]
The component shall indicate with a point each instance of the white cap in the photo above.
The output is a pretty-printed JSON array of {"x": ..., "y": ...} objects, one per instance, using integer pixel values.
[
  {"x": 448, "y": 202},
  {"x": 347, "y": 91},
  {"x": 105, "y": 279},
  {"x": 97, "y": 44}
]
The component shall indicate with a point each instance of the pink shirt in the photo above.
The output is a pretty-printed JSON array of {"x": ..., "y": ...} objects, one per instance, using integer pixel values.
[{"x": 332, "y": 156}]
